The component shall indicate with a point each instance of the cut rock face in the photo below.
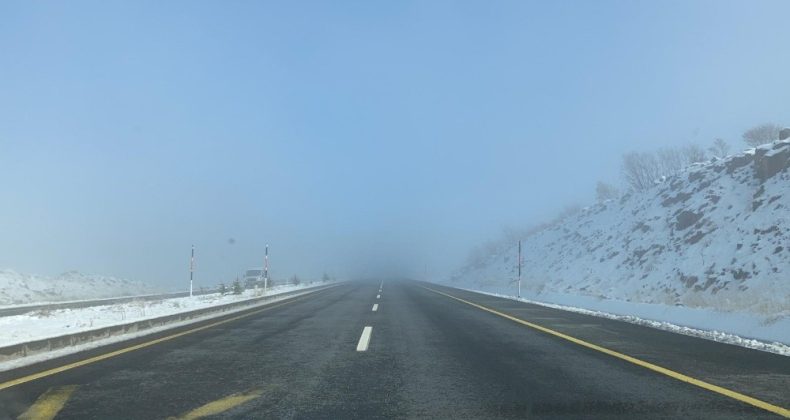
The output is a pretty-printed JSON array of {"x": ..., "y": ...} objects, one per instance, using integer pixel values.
[{"x": 768, "y": 163}]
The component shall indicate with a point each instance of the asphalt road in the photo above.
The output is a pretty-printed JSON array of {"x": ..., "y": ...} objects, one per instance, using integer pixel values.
[{"x": 428, "y": 356}]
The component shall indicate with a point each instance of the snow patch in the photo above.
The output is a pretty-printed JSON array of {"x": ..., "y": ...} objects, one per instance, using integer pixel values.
[
  {"x": 20, "y": 289},
  {"x": 701, "y": 323},
  {"x": 217, "y": 300},
  {"x": 52, "y": 323}
]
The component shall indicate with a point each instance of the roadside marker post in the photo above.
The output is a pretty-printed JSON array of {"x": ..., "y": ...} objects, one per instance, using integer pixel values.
[
  {"x": 191, "y": 269},
  {"x": 519, "y": 268},
  {"x": 266, "y": 270}
]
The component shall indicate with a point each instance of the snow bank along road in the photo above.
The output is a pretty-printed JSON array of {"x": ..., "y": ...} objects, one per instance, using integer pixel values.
[
  {"x": 52, "y": 306},
  {"x": 405, "y": 350},
  {"x": 52, "y": 324}
]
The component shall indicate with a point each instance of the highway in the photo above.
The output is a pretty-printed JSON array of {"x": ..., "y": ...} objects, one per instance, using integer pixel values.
[{"x": 404, "y": 349}]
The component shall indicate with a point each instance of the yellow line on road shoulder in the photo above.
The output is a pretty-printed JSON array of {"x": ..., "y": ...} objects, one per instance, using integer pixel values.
[
  {"x": 49, "y": 403},
  {"x": 220, "y": 405},
  {"x": 48, "y": 372},
  {"x": 662, "y": 370}
]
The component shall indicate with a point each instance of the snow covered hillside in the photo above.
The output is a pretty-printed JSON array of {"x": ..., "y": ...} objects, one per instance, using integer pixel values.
[
  {"x": 714, "y": 236},
  {"x": 17, "y": 288}
]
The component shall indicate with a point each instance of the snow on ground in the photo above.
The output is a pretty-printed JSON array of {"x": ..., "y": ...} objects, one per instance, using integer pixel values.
[
  {"x": 707, "y": 248},
  {"x": 277, "y": 294},
  {"x": 19, "y": 289},
  {"x": 45, "y": 323},
  {"x": 744, "y": 329}
]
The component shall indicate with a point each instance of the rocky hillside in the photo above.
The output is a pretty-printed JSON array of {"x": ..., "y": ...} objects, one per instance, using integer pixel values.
[
  {"x": 18, "y": 288},
  {"x": 716, "y": 236}
]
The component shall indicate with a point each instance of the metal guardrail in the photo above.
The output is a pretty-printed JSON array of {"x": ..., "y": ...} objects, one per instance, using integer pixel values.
[
  {"x": 16, "y": 351},
  {"x": 21, "y": 310}
]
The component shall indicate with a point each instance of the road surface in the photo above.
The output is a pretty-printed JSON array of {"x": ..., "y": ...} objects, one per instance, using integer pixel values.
[{"x": 406, "y": 350}]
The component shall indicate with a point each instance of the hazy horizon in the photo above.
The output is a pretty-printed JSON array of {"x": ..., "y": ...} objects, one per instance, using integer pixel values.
[{"x": 355, "y": 139}]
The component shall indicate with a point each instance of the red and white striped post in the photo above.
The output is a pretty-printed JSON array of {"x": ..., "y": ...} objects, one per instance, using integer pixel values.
[
  {"x": 191, "y": 269},
  {"x": 266, "y": 269},
  {"x": 519, "y": 268}
]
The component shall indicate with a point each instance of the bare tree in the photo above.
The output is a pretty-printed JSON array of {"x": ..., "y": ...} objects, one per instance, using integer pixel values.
[
  {"x": 671, "y": 160},
  {"x": 761, "y": 134},
  {"x": 693, "y": 154},
  {"x": 641, "y": 170},
  {"x": 720, "y": 148},
  {"x": 604, "y": 191}
]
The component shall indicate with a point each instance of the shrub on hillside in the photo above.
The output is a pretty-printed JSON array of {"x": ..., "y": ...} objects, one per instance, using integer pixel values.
[
  {"x": 604, "y": 191},
  {"x": 761, "y": 134}
]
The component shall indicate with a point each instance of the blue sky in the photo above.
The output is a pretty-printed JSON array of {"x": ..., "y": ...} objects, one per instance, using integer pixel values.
[{"x": 354, "y": 137}]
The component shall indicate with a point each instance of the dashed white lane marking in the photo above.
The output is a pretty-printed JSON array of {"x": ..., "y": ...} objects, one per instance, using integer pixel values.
[
  {"x": 375, "y": 307},
  {"x": 378, "y": 296},
  {"x": 364, "y": 340}
]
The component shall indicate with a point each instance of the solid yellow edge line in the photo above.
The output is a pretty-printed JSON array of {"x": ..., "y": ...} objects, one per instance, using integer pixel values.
[
  {"x": 104, "y": 356},
  {"x": 679, "y": 376},
  {"x": 220, "y": 405},
  {"x": 49, "y": 404}
]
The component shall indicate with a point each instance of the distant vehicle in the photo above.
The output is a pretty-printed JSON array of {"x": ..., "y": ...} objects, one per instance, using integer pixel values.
[{"x": 254, "y": 277}]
